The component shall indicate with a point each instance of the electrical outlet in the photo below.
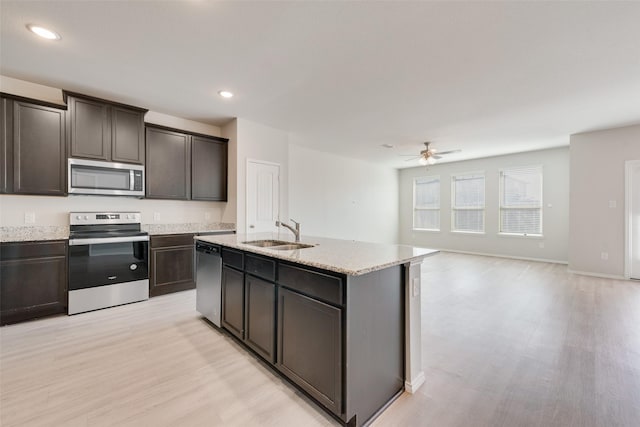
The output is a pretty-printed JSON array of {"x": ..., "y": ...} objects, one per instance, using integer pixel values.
[
  {"x": 613, "y": 204},
  {"x": 207, "y": 216},
  {"x": 604, "y": 255},
  {"x": 29, "y": 217},
  {"x": 156, "y": 216}
]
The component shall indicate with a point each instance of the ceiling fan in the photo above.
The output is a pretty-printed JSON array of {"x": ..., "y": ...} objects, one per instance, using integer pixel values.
[{"x": 429, "y": 155}]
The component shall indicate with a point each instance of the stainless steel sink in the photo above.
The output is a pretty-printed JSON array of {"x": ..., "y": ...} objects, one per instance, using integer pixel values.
[
  {"x": 266, "y": 243},
  {"x": 291, "y": 247},
  {"x": 279, "y": 245}
]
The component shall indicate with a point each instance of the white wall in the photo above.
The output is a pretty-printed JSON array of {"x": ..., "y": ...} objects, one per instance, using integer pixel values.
[
  {"x": 259, "y": 142},
  {"x": 343, "y": 198},
  {"x": 555, "y": 163},
  {"x": 597, "y": 179},
  {"x": 54, "y": 210},
  {"x": 230, "y": 131}
]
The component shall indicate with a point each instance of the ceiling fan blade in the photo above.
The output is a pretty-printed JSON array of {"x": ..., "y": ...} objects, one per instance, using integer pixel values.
[
  {"x": 413, "y": 158},
  {"x": 407, "y": 155},
  {"x": 436, "y": 156},
  {"x": 448, "y": 152}
]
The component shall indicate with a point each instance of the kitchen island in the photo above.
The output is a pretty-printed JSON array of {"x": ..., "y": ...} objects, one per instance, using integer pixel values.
[{"x": 339, "y": 319}]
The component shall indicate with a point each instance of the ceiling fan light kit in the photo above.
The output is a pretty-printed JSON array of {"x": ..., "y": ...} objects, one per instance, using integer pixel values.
[{"x": 430, "y": 156}]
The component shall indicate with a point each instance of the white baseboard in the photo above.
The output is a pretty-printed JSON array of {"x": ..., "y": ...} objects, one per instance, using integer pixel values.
[
  {"x": 414, "y": 384},
  {"x": 603, "y": 276},
  {"x": 553, "y": 261}
]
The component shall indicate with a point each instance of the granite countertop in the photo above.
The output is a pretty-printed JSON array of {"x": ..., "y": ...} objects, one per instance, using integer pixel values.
[
  {"x": 26, "y": 233},
  {"x": 342, "y": 256},
  {"x": 188, "y": 227},
  {"x": 33, "y": 233}
]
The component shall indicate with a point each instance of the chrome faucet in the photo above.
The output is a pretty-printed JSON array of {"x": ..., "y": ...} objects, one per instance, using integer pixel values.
[{"x": 295, "y": 230}]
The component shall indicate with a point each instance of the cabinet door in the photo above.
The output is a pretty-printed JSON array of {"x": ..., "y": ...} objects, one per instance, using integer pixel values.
[
  {"x": 233, "y": 301},
  {"x": 172, "y": 270},
  {"x": 168, "y": 164},
  {"x": 209, "y": 173},
  {"x": 6, "y": 156},
  {"x": 38, "y": 150},
  {"x": 33, "y": 280},
  {"x": 89, "y": 130},
  {"x": 310, "y": 346},
  {"x": 127, "y": 135},
  {"x": 260, "y": 309}
]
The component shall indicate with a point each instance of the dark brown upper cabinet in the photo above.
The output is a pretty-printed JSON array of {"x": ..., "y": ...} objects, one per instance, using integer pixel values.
[
  {"x": 33, "y": 147},
  {"x": 208, "y": 169},
  {"x": 105, "y": 130},
  {"x": 168, "y": 167},
  {"x": 6, "y": 163},
  {"x": 185, "y": 166}
]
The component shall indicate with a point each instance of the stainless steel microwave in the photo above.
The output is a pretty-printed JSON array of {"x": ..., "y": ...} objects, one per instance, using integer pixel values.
[{"x": 105, "y": 178}]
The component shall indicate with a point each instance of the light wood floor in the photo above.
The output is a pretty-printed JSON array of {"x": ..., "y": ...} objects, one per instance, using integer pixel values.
[{"x": 505, "y": 343}]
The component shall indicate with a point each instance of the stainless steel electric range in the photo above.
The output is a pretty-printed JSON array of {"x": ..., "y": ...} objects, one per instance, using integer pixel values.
[{"x": 108, "y": 260}]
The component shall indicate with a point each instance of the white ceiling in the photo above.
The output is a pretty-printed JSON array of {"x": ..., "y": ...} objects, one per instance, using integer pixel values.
[{"x": 347, "y": 77}]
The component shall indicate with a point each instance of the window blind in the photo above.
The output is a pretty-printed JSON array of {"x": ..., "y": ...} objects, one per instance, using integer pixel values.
[
  {"x": 426, "y": 203},
  {"x": 521, "y": 200},
  {"x": 468, "y": 203}
]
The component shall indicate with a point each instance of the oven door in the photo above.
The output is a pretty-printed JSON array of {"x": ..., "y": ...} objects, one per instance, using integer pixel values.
[{"x": 106, "y": 261}]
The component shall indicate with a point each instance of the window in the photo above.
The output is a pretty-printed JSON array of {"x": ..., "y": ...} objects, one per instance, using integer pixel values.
[
  {"x": 426, "y": 203},
  {"x": 467, "y": 203},
  {"x": 521, "y": 201}
]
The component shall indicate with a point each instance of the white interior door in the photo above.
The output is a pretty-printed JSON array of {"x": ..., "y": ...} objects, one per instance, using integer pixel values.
[
  {"x": 633, "y": 218},
  {"x": 263, "y": 196}
]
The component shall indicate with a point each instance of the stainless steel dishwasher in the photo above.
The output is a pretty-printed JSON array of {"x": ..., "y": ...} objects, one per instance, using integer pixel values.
[{"x": 208, "y": 275}]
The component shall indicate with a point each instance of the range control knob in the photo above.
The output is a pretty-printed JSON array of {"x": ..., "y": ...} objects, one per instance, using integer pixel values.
[
  {"x": 78, "y": 217},
  {"x": 86, "y": 217}
]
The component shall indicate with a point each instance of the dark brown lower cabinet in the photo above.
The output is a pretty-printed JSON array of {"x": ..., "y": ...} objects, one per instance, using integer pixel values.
[
  {"x": 171, "y": 266},
  {"x": 310, "y": 346},
  {"x": 338, "y": 338},
  {"x": 33, "y": 280},
  {"x": 233, "y": 301},
  {"x": 260, "y": 316}
]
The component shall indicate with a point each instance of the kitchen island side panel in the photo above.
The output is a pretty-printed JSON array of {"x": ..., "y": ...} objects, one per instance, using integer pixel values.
[{"x": 375, "y": 333}]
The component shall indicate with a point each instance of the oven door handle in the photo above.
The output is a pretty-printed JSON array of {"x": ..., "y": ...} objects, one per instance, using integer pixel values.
[{"x": 103, "y": 240}]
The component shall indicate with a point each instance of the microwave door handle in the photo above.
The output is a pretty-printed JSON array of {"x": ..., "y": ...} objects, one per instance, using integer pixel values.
[{"x": 131, "y": 180}]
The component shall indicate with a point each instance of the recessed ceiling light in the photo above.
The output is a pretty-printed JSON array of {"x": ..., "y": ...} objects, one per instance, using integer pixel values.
[
  {"x": 387, "y": 145},
  {"x": 43, "y": 32},
  {"x": 225, "y": 94}
]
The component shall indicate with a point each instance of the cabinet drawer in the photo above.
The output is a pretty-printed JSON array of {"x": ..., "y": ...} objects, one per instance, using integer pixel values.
[
  {"x": 314, "y": 284},
  {"x": 261, "y": 267},
  {"x": 171, "y": 240},
  {"x": 233, "y": 258},
  {"x": 19, "y": 250}
]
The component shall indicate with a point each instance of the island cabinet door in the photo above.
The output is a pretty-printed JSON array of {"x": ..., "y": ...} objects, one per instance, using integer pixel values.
[
  {"x": 260, "y": 320},
  {"x": 233, "y": 301},
  {"x": 310, "y": 347}
]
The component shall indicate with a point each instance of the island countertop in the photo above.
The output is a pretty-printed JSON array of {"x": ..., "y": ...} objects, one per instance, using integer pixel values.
[{"x": 348, "y": 257}]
